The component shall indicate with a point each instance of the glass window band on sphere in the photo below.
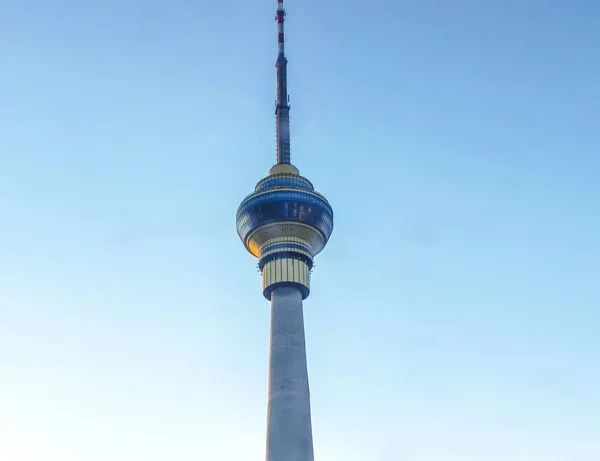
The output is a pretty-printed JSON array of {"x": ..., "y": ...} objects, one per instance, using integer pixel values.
[
  {"x": 284, "y": 180},
  {"x": 285, "y": 206}
]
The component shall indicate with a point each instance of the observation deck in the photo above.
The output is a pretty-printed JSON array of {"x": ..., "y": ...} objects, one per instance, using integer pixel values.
[{"x": 285, "y": 223}]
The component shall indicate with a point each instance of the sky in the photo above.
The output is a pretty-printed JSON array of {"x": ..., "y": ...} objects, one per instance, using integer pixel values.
[{"x": 454, "y": 315}]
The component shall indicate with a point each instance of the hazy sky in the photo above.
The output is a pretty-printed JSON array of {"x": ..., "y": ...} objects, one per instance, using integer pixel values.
[{"x": 455, "y": 314}]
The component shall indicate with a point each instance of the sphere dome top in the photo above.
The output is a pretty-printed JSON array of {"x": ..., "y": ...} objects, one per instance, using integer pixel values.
[{"x": 283, "y": 168}]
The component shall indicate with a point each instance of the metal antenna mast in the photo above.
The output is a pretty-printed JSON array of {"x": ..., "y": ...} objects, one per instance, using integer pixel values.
[{"x": 282, "y": 108}]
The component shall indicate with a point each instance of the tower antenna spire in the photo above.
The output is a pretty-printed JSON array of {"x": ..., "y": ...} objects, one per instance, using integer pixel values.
[{"x": 282, "y": 108}]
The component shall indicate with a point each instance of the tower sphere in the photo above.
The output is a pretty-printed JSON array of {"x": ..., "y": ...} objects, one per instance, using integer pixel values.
[{"x": 285, "y": 223}]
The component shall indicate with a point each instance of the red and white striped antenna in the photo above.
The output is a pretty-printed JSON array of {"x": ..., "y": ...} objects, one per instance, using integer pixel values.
[{"x": 280, "y": 20}]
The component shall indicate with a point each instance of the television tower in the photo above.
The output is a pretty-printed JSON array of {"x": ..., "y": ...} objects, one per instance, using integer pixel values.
[{"x": 285, "y": 223}]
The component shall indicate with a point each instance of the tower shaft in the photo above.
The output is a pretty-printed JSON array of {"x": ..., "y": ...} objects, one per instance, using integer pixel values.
[
  {"x": 282, "y": 108},
  {"x": 289, "y": 428}
]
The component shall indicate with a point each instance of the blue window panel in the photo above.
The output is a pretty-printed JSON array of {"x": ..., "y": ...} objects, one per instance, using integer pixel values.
[{"x": 285, "y": 181}]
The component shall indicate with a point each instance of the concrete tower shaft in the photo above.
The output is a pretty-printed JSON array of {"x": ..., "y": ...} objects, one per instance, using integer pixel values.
[{"x": 289, "y": 426}]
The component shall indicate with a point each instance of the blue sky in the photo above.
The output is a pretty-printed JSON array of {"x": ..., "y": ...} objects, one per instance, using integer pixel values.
[{"x": 455, "y": 313}]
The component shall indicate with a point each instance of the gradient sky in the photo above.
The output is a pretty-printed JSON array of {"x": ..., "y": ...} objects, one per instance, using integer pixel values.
[{"x": 455, "y": 314}]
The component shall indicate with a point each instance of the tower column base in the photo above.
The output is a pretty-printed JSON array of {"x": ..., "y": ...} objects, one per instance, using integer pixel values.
[{"x": 289, "y": 427}]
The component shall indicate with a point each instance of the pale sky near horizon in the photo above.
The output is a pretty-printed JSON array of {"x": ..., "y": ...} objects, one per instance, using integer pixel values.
[{"x": 455, "y": 314}]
